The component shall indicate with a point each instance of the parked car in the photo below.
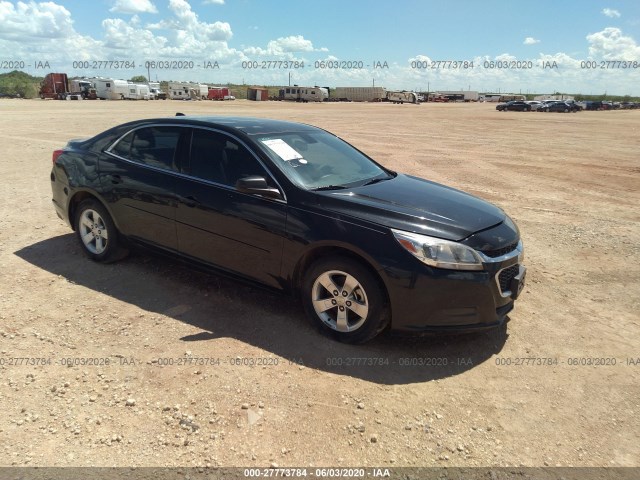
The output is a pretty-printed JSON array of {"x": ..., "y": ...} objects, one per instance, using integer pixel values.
[
  {"x": 547, "y": 105},
  {"x": 534, "y": 104},
  {"x": 593, "y": 105},
  {"x": 297, "y": 209},
  {"x": 563, "y": 107},
  {"x": 574, "y": 106},
  {"x": 514, "y": 105}
]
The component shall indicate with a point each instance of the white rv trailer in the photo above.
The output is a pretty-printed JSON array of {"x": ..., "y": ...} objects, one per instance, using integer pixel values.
[
  {"x": 185, "y": 91},
  {"x": 111, "y": 89},
  {"x": 304, "y": 94},
  {"x": 138, "y": 92},
  {"x": 402, "y": 97},
  {"x": 490, "y": 97},
  {"x": 203, "y": 91},
  {"x": 359, "y": 94},
  {"x": 178, "y": 91}
]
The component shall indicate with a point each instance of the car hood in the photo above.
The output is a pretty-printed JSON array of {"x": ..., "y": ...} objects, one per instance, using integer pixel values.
[{"x": 416, "y": 205}]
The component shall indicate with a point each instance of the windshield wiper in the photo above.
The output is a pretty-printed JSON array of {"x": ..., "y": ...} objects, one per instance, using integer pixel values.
[
  {"x": 376, "y": 180},
  {"x": 329, "y": 187}
]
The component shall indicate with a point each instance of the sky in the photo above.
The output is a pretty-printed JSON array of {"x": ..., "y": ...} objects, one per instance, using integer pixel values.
[{"x": 516, "y": 46}]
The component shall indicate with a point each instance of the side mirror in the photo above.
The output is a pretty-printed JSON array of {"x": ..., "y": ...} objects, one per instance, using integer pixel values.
[{"x": 257, "y": 185}]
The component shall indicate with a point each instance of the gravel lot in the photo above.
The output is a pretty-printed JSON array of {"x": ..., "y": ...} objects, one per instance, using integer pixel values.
[{"x": 149, "y": 363}]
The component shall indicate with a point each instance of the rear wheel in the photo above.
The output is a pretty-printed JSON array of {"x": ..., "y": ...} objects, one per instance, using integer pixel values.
[
  {"x": 97, "y": 233},
  {"x": 345, "y": 300}
]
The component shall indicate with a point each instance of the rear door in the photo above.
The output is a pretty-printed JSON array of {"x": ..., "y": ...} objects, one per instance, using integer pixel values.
[
  {"x": 138, "y": 176},
  {"x": 238, "y": 232}
]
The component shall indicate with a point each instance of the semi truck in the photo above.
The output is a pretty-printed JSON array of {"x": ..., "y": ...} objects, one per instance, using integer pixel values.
[
  {"x": 84, "y": 88},
  {"x": 156, "y": 92}
]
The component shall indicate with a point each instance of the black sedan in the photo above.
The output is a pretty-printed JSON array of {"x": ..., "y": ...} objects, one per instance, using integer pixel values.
[
  {"x": 515, "y": 106},
  {"x": 561, "y": 107},
  {"x": 295, "y": 208}
]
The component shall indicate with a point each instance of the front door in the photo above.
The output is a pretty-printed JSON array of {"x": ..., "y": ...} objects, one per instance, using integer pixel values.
[{"x": 238, "y": 232}]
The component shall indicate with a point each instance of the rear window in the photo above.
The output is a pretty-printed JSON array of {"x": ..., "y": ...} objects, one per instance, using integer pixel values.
[{"x": 151, "y": 146}]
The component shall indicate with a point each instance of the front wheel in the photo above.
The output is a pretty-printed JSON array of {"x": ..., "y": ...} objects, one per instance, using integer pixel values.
[
  {"x": 345, "y": 300},
  {"x": 97, "y": 233}
]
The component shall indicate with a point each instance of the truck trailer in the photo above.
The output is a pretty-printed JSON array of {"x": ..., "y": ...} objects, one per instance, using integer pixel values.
[
  {"x": 55, "y": 86},
  {"x": 218, "y": 93},
  {"x": 358, "y": 94}
]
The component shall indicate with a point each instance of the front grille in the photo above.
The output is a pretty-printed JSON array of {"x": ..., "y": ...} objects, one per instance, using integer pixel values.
[
  {"x": 505, "y": 277},
  {"x": 501, "y": 251}
]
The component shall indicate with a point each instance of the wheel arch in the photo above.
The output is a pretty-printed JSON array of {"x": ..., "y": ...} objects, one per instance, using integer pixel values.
[
  {"x": 79, "y": 197},
  {"x": 332, "y": 250}
]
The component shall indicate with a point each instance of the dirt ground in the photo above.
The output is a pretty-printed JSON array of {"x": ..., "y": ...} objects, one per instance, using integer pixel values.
[{"x": 148, "y": 363}]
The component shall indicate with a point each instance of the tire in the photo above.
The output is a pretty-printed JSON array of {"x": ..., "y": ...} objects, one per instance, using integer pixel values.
[
  {"x": 353, "y": 314},
  {"x": 566, "y": 110},
  {"x": 97, "y": 233}
]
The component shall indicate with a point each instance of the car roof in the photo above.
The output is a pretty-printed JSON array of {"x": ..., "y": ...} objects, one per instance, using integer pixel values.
[{"x": 248, "y": 125}]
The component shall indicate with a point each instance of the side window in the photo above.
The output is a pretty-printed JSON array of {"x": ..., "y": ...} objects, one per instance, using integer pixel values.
[
  {"x": 218, "y": 158},
  {"x": 123, "y": 147},
  {"x": 208, "y": 157},
  {"x": 152, "y": 146}
]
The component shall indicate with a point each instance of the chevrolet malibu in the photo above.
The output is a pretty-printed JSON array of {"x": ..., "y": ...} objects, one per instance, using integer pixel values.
[{"x": 295, "y": 208}]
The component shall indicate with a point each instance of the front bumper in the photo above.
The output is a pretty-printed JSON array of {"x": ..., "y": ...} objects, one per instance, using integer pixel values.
[{"x": 430, "y": 300}]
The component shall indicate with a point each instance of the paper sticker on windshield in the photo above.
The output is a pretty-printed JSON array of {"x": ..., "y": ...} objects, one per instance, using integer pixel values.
[{"x": 282, "y": 149}]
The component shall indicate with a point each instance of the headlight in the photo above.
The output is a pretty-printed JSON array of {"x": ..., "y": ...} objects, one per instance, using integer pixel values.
[{"x": 439, "y": 253}]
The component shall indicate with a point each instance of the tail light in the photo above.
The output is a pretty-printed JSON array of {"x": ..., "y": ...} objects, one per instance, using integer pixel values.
[{"x": 56, "y": 154}]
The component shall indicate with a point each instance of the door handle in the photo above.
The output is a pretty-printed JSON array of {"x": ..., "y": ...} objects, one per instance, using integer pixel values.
[
  {"x": 115, "y": 178},
  {"x": 190, "y": 201}
]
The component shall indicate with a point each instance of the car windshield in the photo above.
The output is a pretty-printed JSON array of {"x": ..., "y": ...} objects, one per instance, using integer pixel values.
[{"x": 319, "y": 160}]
